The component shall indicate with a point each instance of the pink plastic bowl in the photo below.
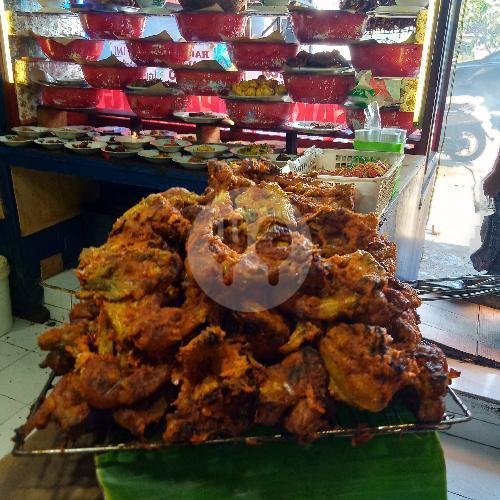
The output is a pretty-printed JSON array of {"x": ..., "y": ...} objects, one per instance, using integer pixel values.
[
  {"x": 156, "y": 106},
  {"x": 109, "y": 77},
  {"x": 112, "y": 26},
  {"x": 256, "y": 56},
  {"x": 88, "y": 50},
  {"x": 259, "y": 114},
  {"x": 317, "y": 88},
  {"x": 210, "y": 26}
]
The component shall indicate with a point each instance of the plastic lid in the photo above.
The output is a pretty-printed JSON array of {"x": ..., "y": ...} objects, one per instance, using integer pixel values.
[{"x": 4, "y": 267}]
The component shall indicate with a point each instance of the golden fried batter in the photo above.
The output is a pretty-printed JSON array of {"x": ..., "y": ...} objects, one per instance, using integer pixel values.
[
  {"x": 365, "y": 370},
  {"x": 155, "y": 339}
]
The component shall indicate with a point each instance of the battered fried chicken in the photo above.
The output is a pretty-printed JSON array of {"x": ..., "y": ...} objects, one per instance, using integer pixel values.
[
  {"x": 341, "y": 231},
  {"x": 294, "y": 392},
  {"x": 108, "y": 381},
  {"x": 64, "y": 405},
  {"x": 364, "y": 368},
  {"x": 432, "y": 382},
  {"x": 136, "y": 418},
  {"x": 217, "y": 390},
  {"x": 182, "y": 322}
]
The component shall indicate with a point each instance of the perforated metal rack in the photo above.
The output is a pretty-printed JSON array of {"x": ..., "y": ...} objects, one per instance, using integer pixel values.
[{"x": 354, "y": 424}]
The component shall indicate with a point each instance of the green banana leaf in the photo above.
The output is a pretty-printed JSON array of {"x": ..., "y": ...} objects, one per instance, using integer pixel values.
[{"x": 408, "y": 466}]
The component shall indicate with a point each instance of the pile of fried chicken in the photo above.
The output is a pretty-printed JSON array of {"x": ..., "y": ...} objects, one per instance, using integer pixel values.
[{"x": 148, "y": 348}]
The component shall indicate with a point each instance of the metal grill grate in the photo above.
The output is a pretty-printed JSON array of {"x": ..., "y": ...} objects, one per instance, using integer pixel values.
[{"x": 350, "y": 423}]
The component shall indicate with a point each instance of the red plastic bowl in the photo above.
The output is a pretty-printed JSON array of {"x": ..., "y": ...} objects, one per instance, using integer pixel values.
[
  {"x": 210, "y": 26},
  {"x": 387, "y": 59},
  {"x": 389, "y": 118},
  {"x": 159, "y": 53},
  {"x": 156, "y": 106},
  {"x": 327, "y": 26},
  {"x": 317, "y": 88},
  {"x": 256, "y": 56},
  {"x": 88, "y": 50},
  {"x": 110, "y": 77},
  {"x": 259, "y": 114},
  {"x": 204, "y": 82},
  {"x": 70, "y": 97},
  {"x": 112, "y": 26}
]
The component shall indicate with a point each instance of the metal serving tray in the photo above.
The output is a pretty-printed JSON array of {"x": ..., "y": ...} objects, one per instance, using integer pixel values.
[{"x": 354, "y": 424}]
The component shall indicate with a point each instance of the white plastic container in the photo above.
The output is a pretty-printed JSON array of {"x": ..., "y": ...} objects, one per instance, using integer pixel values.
[
  {"x": 372, "y": 194},
  {"x": 5, "y": 306}
]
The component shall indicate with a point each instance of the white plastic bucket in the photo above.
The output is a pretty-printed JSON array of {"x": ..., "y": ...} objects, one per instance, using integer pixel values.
[{"x": 5, "y": 306}]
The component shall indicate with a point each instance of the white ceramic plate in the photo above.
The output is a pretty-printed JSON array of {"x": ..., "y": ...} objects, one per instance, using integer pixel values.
[
  {"x": 7, "y": 140},
  {"x": 157, "y": 134},
  {"x": 119, "y": 154},
  {"x": 93, "y": 147},
  {"x": 133, "y": 142},
  {"x": 309, "y": 127},
  {"x": 217, "y": 149},
  {"x": 48, "y": 142},
  {"x": 167, "y": 146},
  {"x": 155, "y": 156},
  {"x": 30, "y": 132},
  {"x": 68, "y": 134},
  {"x": 238, "y": 152},
  {"x": 207, "y": 118},
  {"x": 113, "y": 130},
  {"x": 185, "y": 162}
]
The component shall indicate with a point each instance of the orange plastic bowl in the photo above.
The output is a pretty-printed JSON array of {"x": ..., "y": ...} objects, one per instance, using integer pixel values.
[
  {"x": 156, "y": 106},
  {"x": 159, "y": 53},
  {"x": 88, "y": 50},
  {"x": 327, "y": 26},
  {"x": 112, "y": 26},
  {"x": 109, "y": 77},
  {"x": 318, "y": 88},
  {"x": 210, "y": 26},
  {"x": 259, "y": 114},
  {"x": 387, "y": 59},
  {"x": 256, "y": 56}
]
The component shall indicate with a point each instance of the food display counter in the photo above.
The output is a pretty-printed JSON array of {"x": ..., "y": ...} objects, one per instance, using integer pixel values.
[{"x": 247, "y": 313}]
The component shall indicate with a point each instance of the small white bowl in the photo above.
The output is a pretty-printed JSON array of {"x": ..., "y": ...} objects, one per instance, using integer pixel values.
[
  {"x": 50, "y": 142},
  {"x": 133, "y": 142},
  {"x": 93, "y": 147},
  {"x": 119, "y": 154},
  {"x": 30, "y": 132},
  {"x": 237, "y": 152},
  {"x": 69, "y": 134},
  {"x": 157, "y": 134},
  {"x": 14, "y": 141},
  {"x": 185, "y": 161},
  {"x": 170, "y": 145},
  {"x": 155, "y": 156},
  {"x": 217, "y": 149}
]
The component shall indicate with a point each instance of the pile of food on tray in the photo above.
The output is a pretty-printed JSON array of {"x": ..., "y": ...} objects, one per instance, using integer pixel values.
[
  {"x": 259, "y": 87},
  {"x": 369, "y": 169},
  {"x": 147, "y": 347}
]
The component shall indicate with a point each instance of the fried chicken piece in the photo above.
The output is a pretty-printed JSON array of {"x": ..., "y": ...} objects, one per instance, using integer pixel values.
[
  {"x": 59, "y": 360},
  {"x": 222, "y": 176},
  {"x": 64, "y": 405},
  {"x": 154, "y": 328},
  {"x": 341, "y": 231},
  {"x": 109, "y": 381},
  {"x": 126, "y": 269},
  {"x": 217, "y": 395},
  {"x": 265, "y": 331},
  {"x": 432, "y": 382},
  {"x": 154, "y": 220},
  {"x": 84, "y": 310},
  {"x": 136, "y": 418},
  {"x": 349, "y": 277},
  {"x": 295, "y": 392},
  {"x": 305, "y": 331},
  {"x": 365, "y": 370}
]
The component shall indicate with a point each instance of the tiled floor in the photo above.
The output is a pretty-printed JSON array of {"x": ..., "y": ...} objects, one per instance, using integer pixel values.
[{"x": 473, "y": 469}]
